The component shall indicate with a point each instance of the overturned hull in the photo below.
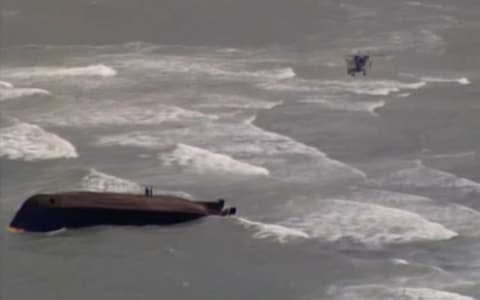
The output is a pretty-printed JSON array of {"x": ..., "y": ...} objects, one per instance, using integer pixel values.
[{"x": 51, "y": 212}]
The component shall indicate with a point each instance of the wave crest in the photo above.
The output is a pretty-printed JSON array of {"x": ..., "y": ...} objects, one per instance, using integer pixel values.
[
  {"x": 204, "y": 161},
  {"x": 24, "y": 141},
  {"x": 368, "y": 224},
  {"x": 277, "y": 232}
]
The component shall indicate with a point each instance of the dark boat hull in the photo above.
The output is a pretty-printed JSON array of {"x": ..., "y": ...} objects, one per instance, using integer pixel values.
[{"x": 44, "y": 213}]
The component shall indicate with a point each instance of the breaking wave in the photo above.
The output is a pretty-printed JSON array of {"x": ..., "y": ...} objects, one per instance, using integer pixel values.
[
  {"x": 204, "y": 161},
  {"x": 277, "y": 232},
  {"x": 8, "y": 91},
  {"x": 380, "y": 292},
  {"x": 24, "y": 141},
  {"x": 249, "y": 143},
  {"x": 370, "y": 225},
  {"x": 99, "y": 70},
  {"x": 96, "y": 181},
  {"x": 461, "y": 219}
]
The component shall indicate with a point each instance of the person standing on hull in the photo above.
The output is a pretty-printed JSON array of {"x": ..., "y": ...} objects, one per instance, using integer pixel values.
[{"x": 148, "y": 191}]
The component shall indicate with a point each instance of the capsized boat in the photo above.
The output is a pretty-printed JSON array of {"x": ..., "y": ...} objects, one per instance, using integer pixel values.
[{"x": 52, "y": 212}]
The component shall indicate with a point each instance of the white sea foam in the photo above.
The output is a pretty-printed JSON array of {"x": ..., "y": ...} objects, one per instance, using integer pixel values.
[
  {"x": 113, "y": 113},
  {"x": 399, "y": 261},
  {"x": 23, "y": 141},
  {"x": 12, "y": 93},
  {"x": 383, "y": 88},
  {"x": 101, "y": 182},
  {"x": 99, "y": 70},
  {"x": 261, "y": 142},
  {"x": 276, "y": 232},
  {"x": 365, "y": 87},
  {"x": 462, "y": 80},
  {"x": 5, "y": 84},
  {"x": 205, "y": 66},
  {"x": 204, "y": 161},
  {"x": 236, "y": 101},
  {"x": 426, "y": 5},
  {"x": 430, "y": 294},
  {"x": 380, "y": 292},
  {"x": 422, "y": 176},
  {"x": 249, "y": 143},
  {"x": 403, "y": 95},
  {"x": 368, "y": 224},
  {"x": 339, "y": 104},
  {"x": 282, "y": 73},
  {"x": 461, "y": 219},
  {"x": 455, "y": 155},
  {"x": 96, "y": 181}
]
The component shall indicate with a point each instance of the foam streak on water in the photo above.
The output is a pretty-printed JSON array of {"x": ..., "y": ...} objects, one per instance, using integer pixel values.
[
  {"x": 99, "y": 70},
  {"x": 190, "y": 66},
  {"x": 422, "y": 176},
  {"x": 461, "y": 81},
  {"x": 367, "y": 87},
  {"x": 8, "y": 91},
  {"x": 91, "y": 115},
  {"x": 378, "y": 292},
  {"x": 338, "y": 104}
]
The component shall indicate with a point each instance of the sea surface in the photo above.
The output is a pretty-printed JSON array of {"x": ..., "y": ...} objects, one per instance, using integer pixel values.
[{"x": 347, "y": 188}]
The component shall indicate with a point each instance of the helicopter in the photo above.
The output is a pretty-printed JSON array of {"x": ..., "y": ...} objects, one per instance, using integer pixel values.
[{"x": 358, "y": 63}]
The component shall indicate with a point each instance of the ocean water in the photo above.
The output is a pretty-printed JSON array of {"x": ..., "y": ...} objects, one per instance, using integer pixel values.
[{"x": 346, "y": 188}]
